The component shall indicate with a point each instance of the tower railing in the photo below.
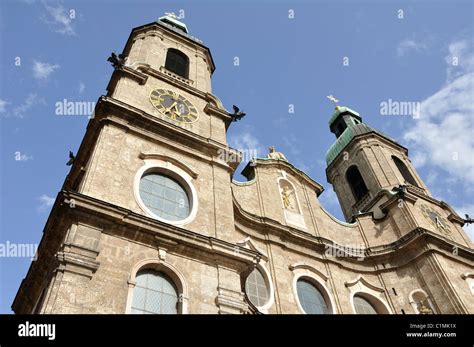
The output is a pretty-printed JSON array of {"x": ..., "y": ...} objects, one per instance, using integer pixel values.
[
  {"x": 175, "y": 76},
  {"x": 415, "y": 188},
  {"x": 359, "y": 205}
]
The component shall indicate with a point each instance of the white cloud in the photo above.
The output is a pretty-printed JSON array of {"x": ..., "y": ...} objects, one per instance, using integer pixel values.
[
  {"x": 409, "y": 45},
  {"x": 58, "y": 18},
  {"x": 246, "y": 142},
  {"x": 82, "y": 87},
  {"x": 30, "y": 101},
  {"x": 41, "y": 71},
  {"x": 3, "y": 104},
  {"x": 45, "y": 202},
  {"x": 418, "y": 159},
  {"x": 460, "y": 59},
  {"x": 462, "y": 211},
  {"x": 444, "y": 133}
]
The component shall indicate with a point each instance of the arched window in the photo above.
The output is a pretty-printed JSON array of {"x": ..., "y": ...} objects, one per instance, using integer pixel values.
[
  {"x": 311, "y": 299},
  {"x": 363, "y": 306},
  {"x": 256, "y": 288},
  {"x": 177, "y": 62},
  {"x": 154, "y": 293},
  {"x": 355, "y": 180},
  {"x": 404, "y": 171}
]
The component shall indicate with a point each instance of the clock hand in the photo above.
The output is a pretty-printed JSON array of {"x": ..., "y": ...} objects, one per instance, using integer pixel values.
[{"x": 169, "y": 108}]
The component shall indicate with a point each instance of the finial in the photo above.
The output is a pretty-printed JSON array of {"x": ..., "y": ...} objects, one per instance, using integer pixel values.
[
  {"x": 333, "y": 99},
  {"x": 171, "y": 14}
]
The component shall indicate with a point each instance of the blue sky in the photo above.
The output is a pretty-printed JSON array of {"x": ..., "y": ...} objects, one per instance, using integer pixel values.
[{"x": 423, "y": 54}]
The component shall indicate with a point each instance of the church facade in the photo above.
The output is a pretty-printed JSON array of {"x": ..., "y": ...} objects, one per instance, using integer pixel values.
[{"x": 149, "y": 219}]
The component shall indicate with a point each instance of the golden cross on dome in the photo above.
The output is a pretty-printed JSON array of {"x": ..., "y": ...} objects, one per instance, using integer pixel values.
[
  {"x": 171, "y": 14},
  {"x": 333, "y": 99}
]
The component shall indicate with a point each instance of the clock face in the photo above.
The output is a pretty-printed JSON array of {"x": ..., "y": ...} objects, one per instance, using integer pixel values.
[
  {"x": 436, "y": 219},
  {"x": 174, "y": 106}
]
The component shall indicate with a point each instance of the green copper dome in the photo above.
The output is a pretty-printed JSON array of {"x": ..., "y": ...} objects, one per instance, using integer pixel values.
[
  {"x": 344, "y": 140},
  {"x": 347, "y": 124}
]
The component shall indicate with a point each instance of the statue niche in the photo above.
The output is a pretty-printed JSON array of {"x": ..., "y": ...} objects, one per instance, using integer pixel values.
[{"x": 288, "y": 196}]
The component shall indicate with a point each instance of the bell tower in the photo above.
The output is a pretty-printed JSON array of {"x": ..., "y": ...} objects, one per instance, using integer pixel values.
[
  {"x": 149, "y": 190},
  {"x": 363, "y": 161},
  {"x": 159, "y": 117},
  {"x": 371, "y": 173}
]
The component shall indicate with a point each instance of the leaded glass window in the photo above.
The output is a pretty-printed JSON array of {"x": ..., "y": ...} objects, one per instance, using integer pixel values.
[
  {"x": 362, "y": 306},
  {"x": 256, "y": 288},
  {"x": 311, "y": 298},
  {"x": 164, "y": 196},
  {"x": 154, "y": 293}
]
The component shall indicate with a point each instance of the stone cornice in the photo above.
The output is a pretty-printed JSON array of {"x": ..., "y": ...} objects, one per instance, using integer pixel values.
[
  {"x": 215, "y": 111},
  {"x": 287, "y": 237},
  {"x": 134, "y": 221},
  {"x": 127, "y": 72},
  {"x": 412, "y": 195},
  {"x": 77, "y": 263},
  {"x": 394, "y": 200}
]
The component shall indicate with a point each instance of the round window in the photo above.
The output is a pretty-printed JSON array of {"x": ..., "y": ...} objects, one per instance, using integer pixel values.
[
  {"x": 256, "y": 288},
  {"x": 164, "y": 196}
]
